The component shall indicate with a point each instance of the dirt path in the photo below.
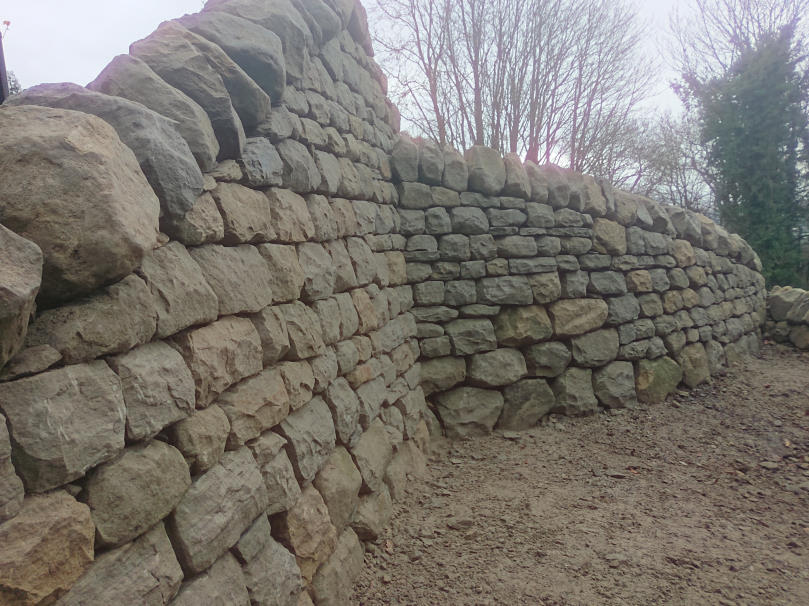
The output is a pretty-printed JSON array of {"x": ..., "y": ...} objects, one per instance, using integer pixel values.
[{"x": 701, "y": 500}]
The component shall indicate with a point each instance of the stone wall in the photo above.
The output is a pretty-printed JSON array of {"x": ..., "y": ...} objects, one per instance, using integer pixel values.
[
  {"x": 538, "y": 290},
  {"x": 219, "y": 268},
  {"x": 218, "y": 397},
  {"x": 788, "y": 316}
]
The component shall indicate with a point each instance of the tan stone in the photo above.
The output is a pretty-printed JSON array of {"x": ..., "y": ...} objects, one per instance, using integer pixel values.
[
  {"x": 577, "y": 316},
  {"x": 334, "y": 581},
  {"x": 45, "y": 549},
  {"x": 639, "y": 281},
  {"x": 694, "y": 362},
  {"x": 290, "y": 216},
  {"x": 339, "y": 482},
  {"x": 201, "y": 438},
  {"x": 656, "y": 379},
  {"x": 609, "y": 237},
  {"x": 520, "y": 326},
  {"x": 683, "y": 253}
]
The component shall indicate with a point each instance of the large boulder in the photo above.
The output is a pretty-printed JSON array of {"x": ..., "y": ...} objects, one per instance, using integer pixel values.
[
  {"x": 20, "y": 277},
  {"x": 163, "y": 155},
  {"x": 74, "y": 189},
  {"x": 132, "y": 79},
  {"x": 257, "y": 50}
]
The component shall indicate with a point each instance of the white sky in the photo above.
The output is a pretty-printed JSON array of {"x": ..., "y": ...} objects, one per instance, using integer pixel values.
[{"x": 72, "y": 40}]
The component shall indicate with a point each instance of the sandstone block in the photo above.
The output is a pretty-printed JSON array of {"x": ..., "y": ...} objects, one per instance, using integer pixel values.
[
  {"x": 372, "y": 453},
  {"x": 470, "y": 336},
  {"x": 290, "y": 216},
  {"x": 286, "y": 273},
  {"x": 219, "y": 355},
  {"x": 272, "y": 330},
  {"x": 311, "y": 436},
  {"x": 520, "y": 326},
  {"x": 333, "y": 583},
  {"x": 254, "y": 405},
  {"x": 578, "y": 316},
  {"x": 63, "y": 422},
  {"x": 245, "y": 212},
  {"x": 276, "y": 469},
  {"x": 201, "y": 225},
  {"x": 609, "y": 237},
  {"x": 273, "y": 576},
  {"x": 216, "y": 509},
  {"x": 656, "y": 379},
  {"x": 129, "y": 495},
  {"x": 201, "y": 438},
  {"x": 339, "y": 483},
  {"x": 46, "y": 548}
]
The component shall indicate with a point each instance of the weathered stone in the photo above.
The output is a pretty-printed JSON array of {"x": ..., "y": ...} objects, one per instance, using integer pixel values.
[
  {"x": 372, "y": 454},
  {"x": 142, "y": 572},
  {"x": 11, "y": 487},
  {"x": 574, "y": 392},
  {"x": 469, "y": 411},
  {"x": 238, "y": 275},
  {"x": 63, "y": 422},
  {"x": 276, "y": 469},
  {"x": 799, "y": 336},
  {"x": 300, "y": 171},
  {"x": 272, "y": 330},
  {"x": 469, "y": 221},
  {"x": 431, "y": 163},
  {"x": 487, "y": 170},
  {"x": 245, "y": 212},
  {"x": 578, "y": 316},
  {"x": 456, "y": 173},
  {"x": 496, "y": 368},
  {"x": 505, "y": 290},
  {"x": 694, "y": 363},
  {"x": 471, "y": 336},
  {"x": 609, "y": 237},
  {"x": 304, "y": 330},
  {"x": 547, "y": 359},
  {"x": 129, "y": 77},
  {"x": 201, "y": 225},
  {"x": 290, "y": 216},
  {"x": 94, "y": 217},
  {"x": 272, "y": 576},
  {"x": 373, "y": 515},
  {"x": 307, "y": 531},
  {"x": 157, "y": 387},
  {"x": 286, "y": 273},
  {"x": 182, "y": 297},
  {"x": 519, "y": 326},
  {"x": 46, "y": 548},
  {"x": 254, "y": 405},
  {"x": 405, "y": 159},
  {"x": 525, "y": 403},
  {"x": 300, "y": 382},
  {"x": 218, "y": 507},
  {"x": 257, "y": 50},
  {"x": 596, "y": 348},
  {"x": 21, "y": 275},
  {"x": 344, "y": 406},
  {"x": 311, "y": 436},
  {"x": 622, "y": 309},
  {"x": 615, "y": 385},
  {"x": 333, "y": 583},
  {"x": 201, "y": 438},
  {"x": 781, "y": 300},
  {"x": 516, "y": 183},
  {"x": 222, "y": 583},
  {"x": 656, "y": 379},
  {"x": 132, "y": 493},
  {"x": 440, "y": 374},
  {"x": 339, "y": 484}
]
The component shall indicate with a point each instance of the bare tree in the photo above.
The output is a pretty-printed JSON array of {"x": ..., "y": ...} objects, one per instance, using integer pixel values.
[{"x": 552, "y": 79}]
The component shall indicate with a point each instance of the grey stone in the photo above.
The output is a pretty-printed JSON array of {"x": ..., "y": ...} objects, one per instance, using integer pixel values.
[
  {"x": 201, "y": 438},
  {"x": 333, "y": 583},
  {"x": 299, "y": 380},
  {"x": 286, "y": 274},
  {"x": 506, "y": 290},
  {"x": 372, "y": 453},
  {"x": 525, "y": 403},
  {"x": 547, "y": 359},
  {"x": 470, "y": 336},
  {"x": 431, "y": 163},
  {"x": 300, "y": 171},
  {"x": 456, "y": 173},
  {"x": 607, "y": 283},
  {"x": 222, "y": 583},
  {"x": 496, "y": 368},
  {"x": 574, "y": 392},
  {"x": 487, "y": 170},
  {"x": 218, "y": 507},
  {"x": 615, "y": 385},
  {"x": 201, "y": 225},
  {"x": 622, "y": 309},
  {"x": 11, "y": 487},
  {"x": 129, "y": 495},
  {"x": 272, "y": 577},
  {"x": 405, "y": 159},
  {"x": 272, "y": 330},
  {"x": 311, "y": 436},
  {"x": 440, "y": 374},
  {"x": 261, "y": 163},
  {"x": 469, "y": 221},
  {"x": 469, "y": 411},
  {"x": 283, "y": 490},
  {"x": 596, "y": 348},
  {"x": 254, "y": 405},
  {"x": 21, "y": 275},
  {"x": 345, "y": 409},
  {"x": 128, "y": 77},
  {"x": 517, "y": 183},
  {"x": 290, "y": 216},
  {"x": 339, "y": 483}
]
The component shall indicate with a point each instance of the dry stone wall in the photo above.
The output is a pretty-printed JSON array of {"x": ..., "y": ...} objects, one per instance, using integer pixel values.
[
  {"x": 218, "y": 396},
  {"x": 539, "y": 290},
  {"x": 788, "y": 316},
  {"x": 220, "y": 267}
]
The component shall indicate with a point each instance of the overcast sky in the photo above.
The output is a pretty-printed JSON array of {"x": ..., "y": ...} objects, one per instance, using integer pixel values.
[{"x": 72, "y": 40}]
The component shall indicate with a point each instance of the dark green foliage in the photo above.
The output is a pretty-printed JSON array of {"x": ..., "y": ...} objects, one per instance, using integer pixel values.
[{"x": 754, "y": 127}]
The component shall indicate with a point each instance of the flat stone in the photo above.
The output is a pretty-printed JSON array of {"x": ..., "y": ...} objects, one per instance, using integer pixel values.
[
  {"x": 469, "y": 411},
  {"x": 505, "y": 290},
  {"x": 47, "y": 546},
  {"x": 63, "y": 422},
  {"x": 218, "y": 507},
  {"x": 142, "y": 572},
  {"x": 182, "y": 297},
  {"x": 131, "y": 494},
  {"x": 157, "y": 388},
  {"x": 201, "y": 438},
  {"x": 219, "y": 355}
]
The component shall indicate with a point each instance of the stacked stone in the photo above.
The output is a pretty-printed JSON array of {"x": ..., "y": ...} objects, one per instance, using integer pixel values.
[
  {"x": 788, "y": 316},
  {"x": 539, "y": 290},
  {"x": 219, "y": 396}
]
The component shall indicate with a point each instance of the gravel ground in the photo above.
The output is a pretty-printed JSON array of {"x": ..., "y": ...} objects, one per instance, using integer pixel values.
[{"x": 701, "y": 500}]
